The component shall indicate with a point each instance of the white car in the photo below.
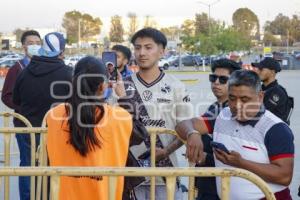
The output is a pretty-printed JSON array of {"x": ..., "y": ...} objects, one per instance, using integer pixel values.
[
  {"x": 11, "y": 57},
  {"x": 163, "y": 63},
  {"x": 268, "y": 55},
  {"x": 72, "y": 61}
]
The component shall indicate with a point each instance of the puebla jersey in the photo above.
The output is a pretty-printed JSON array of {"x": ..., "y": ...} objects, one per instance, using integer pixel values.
[{"x": 162, "y": 103}]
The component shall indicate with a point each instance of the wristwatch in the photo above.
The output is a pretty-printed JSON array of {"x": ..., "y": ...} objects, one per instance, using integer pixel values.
[{"x": 192, "y": 132}]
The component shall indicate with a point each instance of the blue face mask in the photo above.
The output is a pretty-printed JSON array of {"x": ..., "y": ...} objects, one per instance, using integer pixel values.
[{"x": 33, "y": 50}]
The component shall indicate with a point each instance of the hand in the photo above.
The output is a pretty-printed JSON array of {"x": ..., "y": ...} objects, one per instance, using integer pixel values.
[
  {"x": 233, "y": 159},
  {"x": 160, "y": 154},
  {"x": 194, "y": 148},
  {"x": 119, "y": 86}
]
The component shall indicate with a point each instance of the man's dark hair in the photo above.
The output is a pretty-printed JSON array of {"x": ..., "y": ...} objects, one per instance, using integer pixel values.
[
  {"x": 245, "y": 78},
  {"x": 29, "y": 33},
  {"x": 124, "y": 50},
  {"x": 156, "y": 35},
  {"x": 225, "y": 63}
]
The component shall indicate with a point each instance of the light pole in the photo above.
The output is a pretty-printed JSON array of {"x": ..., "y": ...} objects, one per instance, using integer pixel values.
[
  {"x": 79, "y": 33},
  {"x": 287, "y": 42},
  {"x": 209, "y": 6}
]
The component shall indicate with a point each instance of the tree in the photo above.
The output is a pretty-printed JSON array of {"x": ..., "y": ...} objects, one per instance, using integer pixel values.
[
  {"x": 295, "y": 29},
  {"x": 172, "y": 33},
  {"x": 270, "y": 40},
  {"x": 231, "y": 40},
  {"x": 90, "y": 26},
  {"x": 150, "y": 22},
  {"x": 133, "y": 24},
  {"x": 188, "y": 28},
  {"x": 19, "y": 32},
  {"x": 285, "y": 27},
  {"x": 246, "y": 22},
  {"x": 74, "y": 21},
  {"x": 201, "y": 24},
  {"x": 187, "y": 35},
  {"x": 116, "y": 29},
  {"x": 279, "y": 26}
]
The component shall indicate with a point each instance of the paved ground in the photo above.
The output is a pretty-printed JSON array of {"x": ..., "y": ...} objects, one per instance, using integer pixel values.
[{"x": 201, "y": 98}]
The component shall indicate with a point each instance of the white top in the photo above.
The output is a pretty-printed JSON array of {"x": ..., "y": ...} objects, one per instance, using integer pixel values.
[{"x": 250, "y": 141}]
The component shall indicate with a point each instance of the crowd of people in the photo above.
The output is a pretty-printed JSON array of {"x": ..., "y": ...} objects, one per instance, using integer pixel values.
[{"x": 93, "y": 121}]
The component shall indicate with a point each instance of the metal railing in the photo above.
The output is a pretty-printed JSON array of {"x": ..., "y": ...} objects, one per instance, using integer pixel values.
[
  {"x": 170, "y": 173},
  {"x": 7, "y": 141}
]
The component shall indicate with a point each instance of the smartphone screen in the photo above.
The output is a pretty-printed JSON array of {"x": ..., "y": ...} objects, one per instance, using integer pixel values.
[
  {"x": 219, "y": 146},
  {"x": 109, "y": 59}
]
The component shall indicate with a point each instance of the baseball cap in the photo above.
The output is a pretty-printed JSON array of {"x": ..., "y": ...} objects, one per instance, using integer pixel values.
[
  {"x": 53, "y": 45},
  {"x": 269, "y": 63}
]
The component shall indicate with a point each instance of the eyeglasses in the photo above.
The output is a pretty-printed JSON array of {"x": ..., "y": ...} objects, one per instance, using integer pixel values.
[{"x": 222, "y": 79}]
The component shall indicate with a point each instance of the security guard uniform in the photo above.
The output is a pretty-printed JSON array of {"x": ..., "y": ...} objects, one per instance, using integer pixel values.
[{"x": 275, "y": 100}]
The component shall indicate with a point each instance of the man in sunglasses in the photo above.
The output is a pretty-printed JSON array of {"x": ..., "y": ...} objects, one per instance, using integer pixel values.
[{"x": 221, "y": 70}]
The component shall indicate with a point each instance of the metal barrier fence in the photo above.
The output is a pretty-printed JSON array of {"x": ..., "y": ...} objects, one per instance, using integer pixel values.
[
  {"x": 170, "y": 173},
  {"x": 7, "y": 140}
]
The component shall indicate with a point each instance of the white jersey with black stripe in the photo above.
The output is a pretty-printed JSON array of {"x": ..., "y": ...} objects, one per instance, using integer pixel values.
[{"x": 162, "y": 103}]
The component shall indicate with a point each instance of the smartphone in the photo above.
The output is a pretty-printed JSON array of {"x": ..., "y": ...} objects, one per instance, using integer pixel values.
[
  {"x": 145, "y": 155},
  {"x": 109, "y": 59},
  {"x": 219, "y": 146}
]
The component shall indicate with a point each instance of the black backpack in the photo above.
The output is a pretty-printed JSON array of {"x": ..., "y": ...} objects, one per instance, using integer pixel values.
[{"x": 289, "y": 106}]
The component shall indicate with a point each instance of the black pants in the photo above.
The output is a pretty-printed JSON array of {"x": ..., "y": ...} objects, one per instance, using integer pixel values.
[{"x": 206, "y": 186}]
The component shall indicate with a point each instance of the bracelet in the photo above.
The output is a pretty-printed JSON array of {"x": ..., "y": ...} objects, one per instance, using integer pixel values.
[{"x": 192, "y": 132}]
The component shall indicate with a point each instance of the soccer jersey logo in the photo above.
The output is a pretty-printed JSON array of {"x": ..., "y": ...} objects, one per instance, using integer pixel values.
[
  {"x": 130, "y": 88},
  {"x": 186, "y": 98},
  {"x": 147, "y": 95},
  {"x": 165, "y": 89},
  {"x": 275, "y": 98}
]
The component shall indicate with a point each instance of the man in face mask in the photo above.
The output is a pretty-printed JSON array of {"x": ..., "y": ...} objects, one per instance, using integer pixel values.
[{"x": 31, "y": 42}]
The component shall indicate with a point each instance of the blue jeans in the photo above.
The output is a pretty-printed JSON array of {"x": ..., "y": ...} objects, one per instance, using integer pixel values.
[{"x": 25, "y": 160}]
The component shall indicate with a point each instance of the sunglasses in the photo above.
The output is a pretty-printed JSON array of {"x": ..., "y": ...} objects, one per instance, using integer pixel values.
[{"x": 222, "y": 79}]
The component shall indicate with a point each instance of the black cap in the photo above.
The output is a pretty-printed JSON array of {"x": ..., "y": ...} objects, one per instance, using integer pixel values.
[{"x": 269, "y": 63}]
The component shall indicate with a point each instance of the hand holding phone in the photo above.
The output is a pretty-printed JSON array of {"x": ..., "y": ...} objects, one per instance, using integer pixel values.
[
  {"x": 145, "y": 155},
  {"x": 109, "y": 59},
  {"x": 219, "y": 146}
]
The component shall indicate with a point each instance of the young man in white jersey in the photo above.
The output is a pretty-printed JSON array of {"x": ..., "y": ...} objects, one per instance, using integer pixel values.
[{"x": 157, "y": 100}]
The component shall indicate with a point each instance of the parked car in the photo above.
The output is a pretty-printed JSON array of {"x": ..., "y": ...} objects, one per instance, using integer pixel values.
[
  {"x": 163, "y": 64},
  {"x": 187, "y": 60},
  {"x": 5, "y": 65},
  {"x": 11, "y": 57},
  {"x": 72, "y": 61},
  {"x": 268, "y": 55}
]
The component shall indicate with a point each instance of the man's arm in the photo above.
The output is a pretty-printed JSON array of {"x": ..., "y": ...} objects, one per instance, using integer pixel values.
[
  {"x": 16, "y": 93},
  {"x": 165, "y": 152},
  {"x": 279, "y": 171},
  {"x": 280, "y": 148},
  {"x": 191, "y": 130},
  {"x": 7, "y": 91},
  {"x": 189, "y": 127}
]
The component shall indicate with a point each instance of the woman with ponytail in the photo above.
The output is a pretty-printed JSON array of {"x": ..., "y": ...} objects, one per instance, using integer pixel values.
[{"x": 86, "y": 132}]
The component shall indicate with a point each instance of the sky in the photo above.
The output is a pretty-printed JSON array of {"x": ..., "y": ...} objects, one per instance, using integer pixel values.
[{"x": 48, "y": 14}]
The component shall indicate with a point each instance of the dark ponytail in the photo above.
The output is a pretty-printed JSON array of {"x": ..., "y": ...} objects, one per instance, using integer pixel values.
[{"x": 89, "y": 74}]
